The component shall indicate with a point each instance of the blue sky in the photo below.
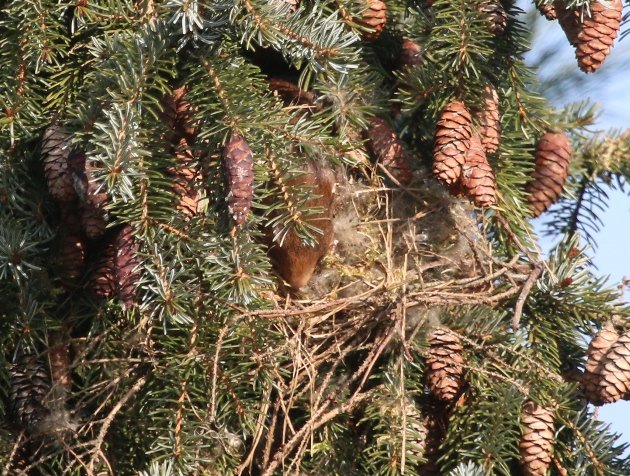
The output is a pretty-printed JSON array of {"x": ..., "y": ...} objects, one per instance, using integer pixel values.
[{"x": 610, "y": 88}]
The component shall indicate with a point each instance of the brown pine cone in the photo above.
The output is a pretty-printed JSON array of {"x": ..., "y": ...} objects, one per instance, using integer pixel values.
[
  {"x": 496, "y": 14},
  {"x": 177, "y": 115},
  {"x": 410, "y": 53},
  {"x": 70, "y": 219},
  {"x": 569, "y": 20},
  {"x": 373, "y": 18},
  {"x": 614, "y": 371},
  {"x": 92, "y": 203},
  {"x": 547, "y": 9},
  {"x": 55, "y": 151},
  {"x": 29, "y": 384},
  {"x": 104, "y": 275},
  {"x": 489, "y": 120},
  {"x": 126, "y": 263},
  {"x": 537, "y": 439},
  {"x": 71, "y": 258},
  {"x": 477, "y": 178},
  {"x": 553, "y": 153},
  {"x": 436, "y": 416},
  {"x": 592, "y": 378},
  {"x": 451, "y": 142},
  {"x": 294, "y": 260},
  {"x": 77, "y": 163},
  {"x": 186, "y": 176},
  {"x": 186, "y": 181},
  {"x": 597, "y": 33},
  {"x": 387, "y": 150},
  {"x": 239, "y": 172},
  {"x": 93, "y": 214},
  {"x": 444, "y": 365}
]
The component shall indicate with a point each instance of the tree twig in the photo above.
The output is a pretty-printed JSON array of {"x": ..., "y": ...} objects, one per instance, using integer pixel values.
[
  {"x": 109, "y": 419},
  {"x": 520, "y": 302}
]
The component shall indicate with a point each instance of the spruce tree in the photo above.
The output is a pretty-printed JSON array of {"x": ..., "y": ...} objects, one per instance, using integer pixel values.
[{"x": 264, "y": 237}]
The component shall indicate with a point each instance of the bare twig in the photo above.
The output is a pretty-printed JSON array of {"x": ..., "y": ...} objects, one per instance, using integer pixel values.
[
  {"x": 14, "y": 450},
  {"x": 520, "y": 302},
  {"x": 109, "y": 419}
]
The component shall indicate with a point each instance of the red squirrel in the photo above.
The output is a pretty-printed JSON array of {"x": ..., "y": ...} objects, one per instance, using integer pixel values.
[{"x": 294, "y": 260}]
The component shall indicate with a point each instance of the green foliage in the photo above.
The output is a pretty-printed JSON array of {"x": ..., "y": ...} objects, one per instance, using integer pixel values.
[{"x": 216, "y": 366}]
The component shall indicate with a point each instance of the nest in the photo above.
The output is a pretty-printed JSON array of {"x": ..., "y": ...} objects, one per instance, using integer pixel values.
[{"x": 400, "y": 257}]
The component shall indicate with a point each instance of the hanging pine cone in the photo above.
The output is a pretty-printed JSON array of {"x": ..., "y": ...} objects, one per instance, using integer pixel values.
[
  {"x": 477, "y": 178},
  {"x": 569, "y": 20},
  {"x": 388, "y": 151},
  {"x": 239, "y": 171},
  {"x": 594, "y": 385},
  {"x": 299, "y": 102},
  {"x": 71, "y": 256},
  {"x": 497, "y": 17},
  {"x": 373, "y": 18},
  {"x": 614, "y": 371},
  {"x": 597, "y": 33},
  {"x": 436, "y": 416},
  {"x": 547, "y": 9},
  {"x": 92, "y": 203},
  {"x": 410, "y": 53},
  {"x": 126, "y": 262},
  {"x": 188, "y": 197},
  {"x": 104, "y": 275},
  {"x": 93, "y": 214},
  {"x": 55, "y": 151},
  {"x": 537, "y": 439},
  {"x": 186, "y": 181},
  {"x": 490, "y": 131},
  {"x": 452, "y": 140},
  {"x": 294, "y": 260},
  {"x": 553, "y": 153},
  {"x": 177, "y": 115},
  {"x": 185, "y": 174},
  {"x": 29, "y": 387},
  {"x": 445, "y": 365}
]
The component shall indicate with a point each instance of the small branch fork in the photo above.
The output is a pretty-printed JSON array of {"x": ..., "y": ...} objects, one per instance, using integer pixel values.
[{"x": 522, "y": 297}]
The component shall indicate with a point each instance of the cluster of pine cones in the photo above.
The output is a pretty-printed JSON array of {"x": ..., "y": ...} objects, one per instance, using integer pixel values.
[
  {"x": 459, "y": 151},
  {"x": 445, "y": 380},
  {"x": 591, "y": 31},
  {"x": 84, "y": 243},
  {"x": 606, "y": 379},
  {"x": 460, "y": 160}
]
